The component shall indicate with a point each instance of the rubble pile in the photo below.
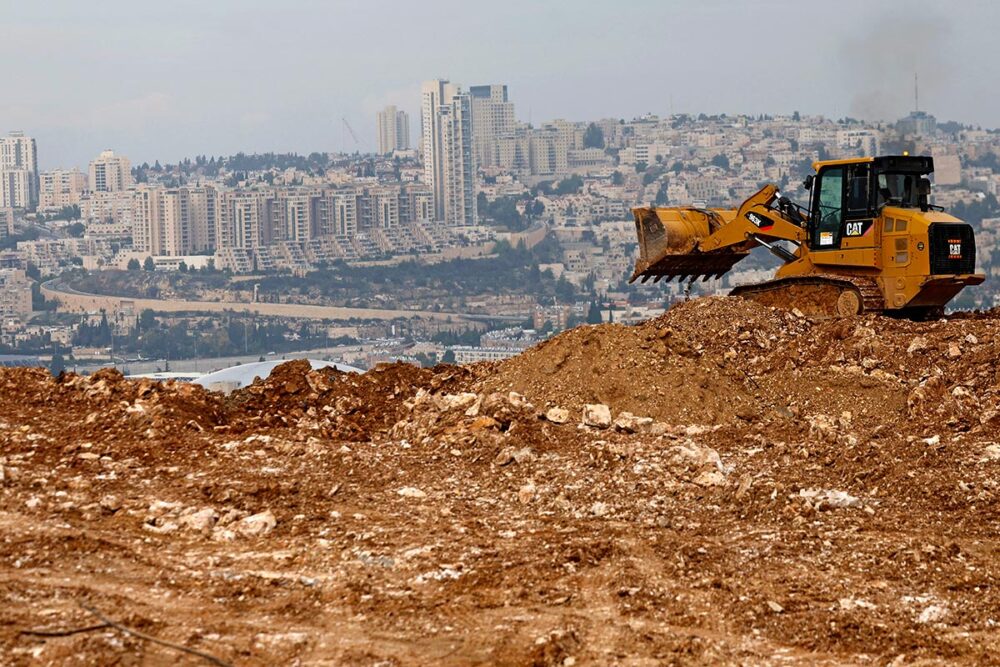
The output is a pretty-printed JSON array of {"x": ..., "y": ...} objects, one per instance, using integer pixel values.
[{"x": 726, "y": 484}]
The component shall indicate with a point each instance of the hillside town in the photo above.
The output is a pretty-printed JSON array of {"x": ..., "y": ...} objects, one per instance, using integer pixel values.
[{"x": 273, "y": 228}]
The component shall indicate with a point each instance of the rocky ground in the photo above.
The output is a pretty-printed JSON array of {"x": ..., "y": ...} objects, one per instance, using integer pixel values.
[{"x": 727, "y": 484}]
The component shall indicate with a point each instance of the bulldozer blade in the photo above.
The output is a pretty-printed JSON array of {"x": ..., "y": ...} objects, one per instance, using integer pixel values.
[{"x": 668, "y": 245}]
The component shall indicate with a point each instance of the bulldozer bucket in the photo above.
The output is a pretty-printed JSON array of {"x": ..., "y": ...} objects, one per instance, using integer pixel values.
[{"x": 668, "y": 245}]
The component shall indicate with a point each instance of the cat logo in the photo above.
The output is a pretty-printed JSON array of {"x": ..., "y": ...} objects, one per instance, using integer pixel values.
[
  {"x": 954, "y": 248},
  {"x": 855, "y": 228},
  {"x": 760, "y": 221}
]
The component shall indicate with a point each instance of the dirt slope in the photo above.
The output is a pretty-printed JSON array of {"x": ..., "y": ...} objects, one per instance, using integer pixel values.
[{"x": 803, "y": 493}]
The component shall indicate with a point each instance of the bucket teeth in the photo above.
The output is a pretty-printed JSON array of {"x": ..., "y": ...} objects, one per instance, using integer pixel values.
[{"x": 695, "y": 264}]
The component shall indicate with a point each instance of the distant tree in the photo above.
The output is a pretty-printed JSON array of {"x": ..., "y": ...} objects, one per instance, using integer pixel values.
[
  {"x": 58, "y": 364},
  {"x": 133, "y": 264},
  {"x": 617, "y": 178},
  {"x": 661, "y": 196},
  {"x": 571, "y": 185},
  {"x": 796, "y": 117},
  {"x": 76, "y": 229},
  {"x": 565, "y": 291},
  {"x": 721, "y": 161},
  {"x": 593, "y": 137},
  {"x": 147, "y": 319},
  {"x": 448, "y": 357},
  {"x": 594, "y": 314},
  {"x": 182, "y": 267},
  {"x": 149, "y": 265},
  {"x": 640, "y": 167}
]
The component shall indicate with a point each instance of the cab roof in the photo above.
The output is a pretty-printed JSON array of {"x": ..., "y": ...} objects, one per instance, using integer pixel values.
[{"x": 918, "y": 164}]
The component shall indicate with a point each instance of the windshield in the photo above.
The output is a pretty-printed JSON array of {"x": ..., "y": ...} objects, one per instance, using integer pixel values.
[{"x": 898, "y": 188}]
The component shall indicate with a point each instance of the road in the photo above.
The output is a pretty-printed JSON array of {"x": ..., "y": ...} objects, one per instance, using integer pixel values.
[{"x": 72, "y": 300}]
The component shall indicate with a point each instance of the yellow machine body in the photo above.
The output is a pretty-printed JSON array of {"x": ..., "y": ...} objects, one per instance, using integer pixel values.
[{"x": 869, "y": 241}]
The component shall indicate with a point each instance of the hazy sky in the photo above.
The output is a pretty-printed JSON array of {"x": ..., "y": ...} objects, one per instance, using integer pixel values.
[{"x": 166, "y": 80}]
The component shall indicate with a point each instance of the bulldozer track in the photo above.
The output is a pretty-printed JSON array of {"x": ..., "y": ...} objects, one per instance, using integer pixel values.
[{"x": 841, "y": 293}]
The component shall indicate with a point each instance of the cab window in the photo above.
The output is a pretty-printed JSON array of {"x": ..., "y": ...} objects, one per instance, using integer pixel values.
[
  {"x": 857, "y": 191},
  {"x": 829, "y": 212}
]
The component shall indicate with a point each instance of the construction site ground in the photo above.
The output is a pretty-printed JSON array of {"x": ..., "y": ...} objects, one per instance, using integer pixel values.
[{"x": 764, "y": 489}]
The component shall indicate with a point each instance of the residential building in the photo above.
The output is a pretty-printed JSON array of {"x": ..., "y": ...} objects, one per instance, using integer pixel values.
[
  {"x": 107, "y": 207},
  {"x": 60, "y": 188},
  {"x": 493, "y": 117},
  {"x": 449, "y": 162},
  {"x": 393, "y": 130},
  {"x": 15, "y": 293},
  {"x": 18, "y": 171},
  {"x": 174, "y": 221},
  {"x": 919, "y": 123},
  {"x": 6, "y": 222},
  {"x": 110, "y": 173}
]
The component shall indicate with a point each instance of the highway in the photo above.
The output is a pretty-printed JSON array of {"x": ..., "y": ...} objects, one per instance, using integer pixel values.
[{"x": 72, "y": 300}]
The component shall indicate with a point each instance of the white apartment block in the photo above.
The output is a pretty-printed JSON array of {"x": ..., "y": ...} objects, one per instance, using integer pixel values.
[
  {"x": 110, "y": 173},
  {"x": 18, "y": 171},
  {"x": 6, "y": 222},
  {"x": 60, "y": 188},
  {"x": 859, "y": 142},
  {"x": 174, "y": 222},
  {"x": 107, "y": 207},
  {"x": 15, "y": 293},
  {"x": 393, "y": 130},
  {"x": 449, "y": 161},
  {"x": 493, "y": 117}
]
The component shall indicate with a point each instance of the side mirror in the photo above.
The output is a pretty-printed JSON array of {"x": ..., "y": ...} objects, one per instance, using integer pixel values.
[{"x": 808, "y": 183}]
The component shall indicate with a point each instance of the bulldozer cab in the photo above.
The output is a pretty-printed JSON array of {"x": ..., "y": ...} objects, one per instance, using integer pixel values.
[{"x": 847, "y": 195}]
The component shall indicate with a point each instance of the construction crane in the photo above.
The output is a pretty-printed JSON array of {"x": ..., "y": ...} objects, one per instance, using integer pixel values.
[{"x": 350, "y": 129}]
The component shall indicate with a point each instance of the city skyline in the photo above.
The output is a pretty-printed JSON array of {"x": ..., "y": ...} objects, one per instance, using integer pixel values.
[{"x": 203, "y": 94}]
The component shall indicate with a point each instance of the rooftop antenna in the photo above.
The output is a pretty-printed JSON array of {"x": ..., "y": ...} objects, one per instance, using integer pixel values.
[{"x": 916, "y": 94}]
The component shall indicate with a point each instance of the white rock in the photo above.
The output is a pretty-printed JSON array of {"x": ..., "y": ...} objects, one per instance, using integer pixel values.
[
  {"x": 599, "y": 509},
  {"x": 710, "y": 478},
  {"x": 202, "y": 520},
  {"x": 933, "y": 614},
  {"x": 518, "y": 401},
  {"x": 917, "y": 344},
  {"x": 830, "y": 498},
  {"x": 629, "y": 423},
  {"x": 597, "y": 415},
  {"x": 557, "y": 415},
  {"x": 256, "y": 525},
  {"x": 526, "y": 493},
  {"x": 971, "y": 339},
  {"x": 932, "y": 441},
  {"x": 992, "y": 452},
  {"x": 463, "y": 401},
  {"x": 954, "y": 351},
  {"x": 411, "y": 492},
  {"x": 110, "y": 503}
]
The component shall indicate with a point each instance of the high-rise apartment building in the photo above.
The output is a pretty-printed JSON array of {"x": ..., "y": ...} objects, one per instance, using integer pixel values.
[
  {"x": 393, "y": 130},
  {"x": 493, "y": 117},
  {"x": 61, "y": 187},
  {"x": 174, "y": 221},
  {"x": 18, "y": 171},
  {"x": 449, "y": 161},
  {"x": 110, "y": 173}
]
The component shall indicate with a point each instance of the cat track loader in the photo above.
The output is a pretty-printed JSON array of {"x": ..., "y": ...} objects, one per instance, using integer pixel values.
[{"x": 869, "y": 241}]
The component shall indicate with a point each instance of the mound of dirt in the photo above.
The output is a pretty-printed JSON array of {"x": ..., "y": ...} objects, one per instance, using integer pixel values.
[{"x": 725, "y": 484}]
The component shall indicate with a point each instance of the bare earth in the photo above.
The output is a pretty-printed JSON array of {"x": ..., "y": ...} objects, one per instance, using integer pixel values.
[{"x": 804, "y": 493}]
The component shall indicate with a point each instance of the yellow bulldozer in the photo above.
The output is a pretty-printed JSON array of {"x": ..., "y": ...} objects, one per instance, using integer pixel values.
[{"x": 869, "y": 241}]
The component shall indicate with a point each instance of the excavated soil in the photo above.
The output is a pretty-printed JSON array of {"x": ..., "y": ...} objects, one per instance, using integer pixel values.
[{"x": 773, "y": 490}]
